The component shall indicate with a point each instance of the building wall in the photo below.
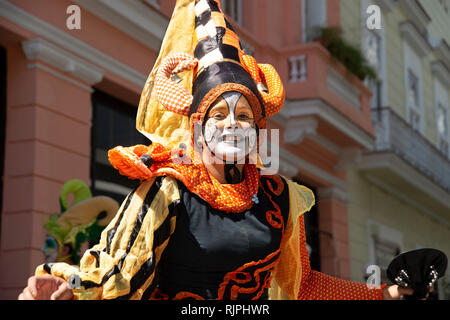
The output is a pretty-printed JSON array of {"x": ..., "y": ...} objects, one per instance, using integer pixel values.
[
  {"x": 396, "y": 93},
  {"x": 369, "y": 202},
  {"x": 351, "y": 21}
]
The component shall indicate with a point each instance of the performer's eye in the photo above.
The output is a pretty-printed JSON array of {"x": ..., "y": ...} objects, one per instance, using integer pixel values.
[
  {"x": 244, "y": 116},
  {"x": 219, "y": 116}
]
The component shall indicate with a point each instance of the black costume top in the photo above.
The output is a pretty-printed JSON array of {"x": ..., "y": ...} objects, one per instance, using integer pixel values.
[{"x": 213, "y": 254}]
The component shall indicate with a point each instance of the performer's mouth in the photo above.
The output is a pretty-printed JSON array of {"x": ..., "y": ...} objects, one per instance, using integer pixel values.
[{"x": 231, "y": 138}]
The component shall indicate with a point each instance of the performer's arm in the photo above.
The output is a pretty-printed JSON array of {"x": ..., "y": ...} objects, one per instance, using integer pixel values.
[
  {"x": 123, "y": 264},
  {"x": 294, "y": 278},
  {"x": 319, "y": 286}
]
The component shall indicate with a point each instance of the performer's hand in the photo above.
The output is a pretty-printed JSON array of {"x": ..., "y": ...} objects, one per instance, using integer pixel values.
[
  {"x": 46, "y": 287},
  {"x": 396, "y": 292}
]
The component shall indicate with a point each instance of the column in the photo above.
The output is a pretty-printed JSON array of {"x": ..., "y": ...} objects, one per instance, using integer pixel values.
[
  {"x": 47, "y": 143},
  {"x": 334, "y": 237}
]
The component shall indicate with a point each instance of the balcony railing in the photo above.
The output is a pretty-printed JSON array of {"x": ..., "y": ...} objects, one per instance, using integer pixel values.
[{"x": 395, "y": 135}]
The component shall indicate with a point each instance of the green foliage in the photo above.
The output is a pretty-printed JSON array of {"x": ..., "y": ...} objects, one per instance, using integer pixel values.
[{"x": 351, "y": 57}]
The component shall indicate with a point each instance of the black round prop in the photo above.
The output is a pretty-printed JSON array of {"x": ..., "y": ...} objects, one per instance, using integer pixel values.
[{"x": 417, "y": 269}]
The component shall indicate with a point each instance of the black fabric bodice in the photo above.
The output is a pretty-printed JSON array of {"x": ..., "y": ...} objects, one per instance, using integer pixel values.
[{"x": 217, "y": 255}]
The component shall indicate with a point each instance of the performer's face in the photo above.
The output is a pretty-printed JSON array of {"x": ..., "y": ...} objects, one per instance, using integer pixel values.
[{"x": 229, "y": 128}]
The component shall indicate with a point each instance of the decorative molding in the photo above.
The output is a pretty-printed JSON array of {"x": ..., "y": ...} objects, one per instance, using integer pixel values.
[
  {"x": 324, "y": 143},
  {"x": 442, "y": 51},
  {"x": 342, "y": 88},
  {"x": 347, "y": 157},
  {"x": 405, "y": 198},
  {"x": 441, "y": 72},
  {"x": 333, "y": 192},
  {"x": 69, "y": 43},
  {"x": 42, "y": 50},
  {"x": 280, "y": 119},
  {"x": 135, "y": 18},
  {"x": 415, "y": 12},
  {"x": 373, "y": 162},
  {"x": 302, "y": 165},
  {"x": 319, "y": 108},
  {"x": 297, "y": 129},
  {"x": 59, "y": 75},
  {"x": 376, "y": 230},
  {"x": 415, "y": 38}
]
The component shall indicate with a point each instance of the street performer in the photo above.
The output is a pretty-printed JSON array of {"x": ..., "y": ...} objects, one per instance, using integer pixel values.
[{"x": 205, "y": 222}]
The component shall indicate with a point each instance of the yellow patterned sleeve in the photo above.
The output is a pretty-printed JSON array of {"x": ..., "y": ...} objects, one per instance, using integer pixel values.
[
  {"x": 123, "y": 264},
  {"x": 294, "y": 279},
  {"x": 285, "y": 284}
]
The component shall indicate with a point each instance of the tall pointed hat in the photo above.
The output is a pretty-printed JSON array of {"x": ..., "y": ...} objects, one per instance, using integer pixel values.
[{"x": 201, "y": 58}]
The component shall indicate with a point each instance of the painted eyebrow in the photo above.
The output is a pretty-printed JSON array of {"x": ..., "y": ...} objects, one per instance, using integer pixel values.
[
  {"x": 219, "y": 107},
  {"x": 244, "y": 108}
]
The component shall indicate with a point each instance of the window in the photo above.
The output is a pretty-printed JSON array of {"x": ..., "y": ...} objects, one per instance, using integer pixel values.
[
  {"x": 372, "y": 51},
  {"x": 413, "y": 88},
  {"x": 113, "y": 124},
  {"x": 385, "y": 251},
  {"x": 373, "y": 48},
  {"x": 233, "y": 9},
  {"x": 413, "y": 101},
  {"x": 442, "y": 128},
  {"x": 442, "y": 117},
  {"x": 384, "y": 245},
  {"x": 314, "y": 17}
]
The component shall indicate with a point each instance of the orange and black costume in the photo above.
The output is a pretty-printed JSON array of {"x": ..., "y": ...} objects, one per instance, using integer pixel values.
[{"x": 181, "y": 234}]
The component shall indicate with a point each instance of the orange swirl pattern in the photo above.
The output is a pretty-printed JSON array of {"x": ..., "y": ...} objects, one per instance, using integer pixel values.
[
  {"x": 274, "y": 217},
  {"x": 251, "y": 278},
  {"x": 187, "y": 295}
]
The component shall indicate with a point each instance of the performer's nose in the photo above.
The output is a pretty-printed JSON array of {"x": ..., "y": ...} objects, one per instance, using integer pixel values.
[{"x": 230, "y": 122}]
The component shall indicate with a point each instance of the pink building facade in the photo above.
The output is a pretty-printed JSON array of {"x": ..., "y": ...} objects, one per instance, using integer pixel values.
[{"x": 68, "y": 94}]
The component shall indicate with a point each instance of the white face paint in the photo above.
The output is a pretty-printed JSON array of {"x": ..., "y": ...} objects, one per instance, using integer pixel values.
[{"x": 230, "y": 138}]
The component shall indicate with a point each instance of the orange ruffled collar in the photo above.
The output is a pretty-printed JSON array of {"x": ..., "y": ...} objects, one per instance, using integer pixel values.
[{"x": 190, "y": 171}]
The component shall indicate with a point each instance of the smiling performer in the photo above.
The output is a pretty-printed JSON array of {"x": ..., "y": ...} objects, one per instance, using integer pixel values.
[{"x": 204, "y": 223}]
